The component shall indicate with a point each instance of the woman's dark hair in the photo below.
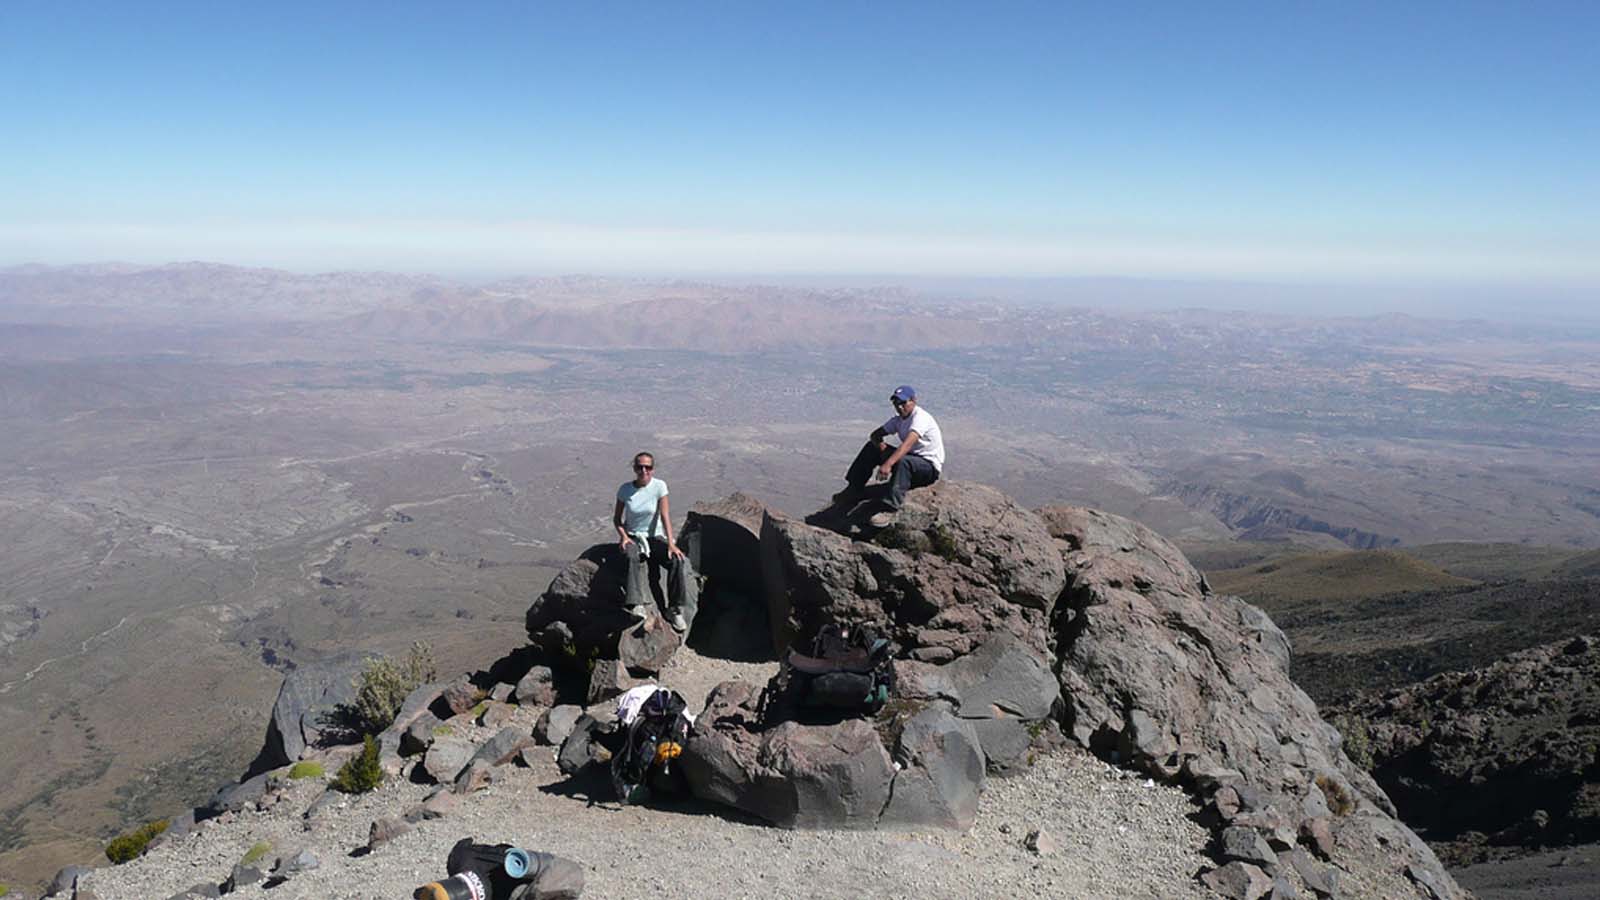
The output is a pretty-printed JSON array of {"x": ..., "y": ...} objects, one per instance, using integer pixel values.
[{"x": 645, "y": 453}]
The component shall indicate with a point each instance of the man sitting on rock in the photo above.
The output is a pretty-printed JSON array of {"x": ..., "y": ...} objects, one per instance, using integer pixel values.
[{"x": 914, "y": 462}]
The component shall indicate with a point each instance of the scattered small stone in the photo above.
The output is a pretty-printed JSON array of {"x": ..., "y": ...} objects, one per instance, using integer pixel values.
[
  {"x": 385, "y": 830},
  {"x": 241, "y": 876},
  {"x": 474, "y": 777},
  {"x": 291, "y": 864},
  {"x": 1040, "y": 842},
  {"x": 1246, "y": 845},
  {"x": 537, "y": 688},
  {"x": 1238, "y": 881},
  {"x": 1316, "y": 834},
  {"x": 441, "y": 803},
  {"x": 556, "y": 723},
  {"x": 460, "y": 696}
]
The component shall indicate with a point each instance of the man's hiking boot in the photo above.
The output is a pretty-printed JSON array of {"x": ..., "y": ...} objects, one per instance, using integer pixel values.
[
  {"x": 638, "y": 612},
  {"x": 882, "y": 519},
  {"x": 677, "y": 623}
]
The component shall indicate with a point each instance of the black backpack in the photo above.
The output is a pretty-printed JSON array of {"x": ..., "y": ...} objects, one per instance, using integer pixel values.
[
  {"x": 647, "y": 765},
  {"x": 849, "y": 671}
]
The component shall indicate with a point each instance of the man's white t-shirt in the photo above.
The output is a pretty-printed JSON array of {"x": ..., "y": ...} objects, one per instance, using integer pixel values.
[
  {"x": 930, "y": 445},
  {"x": 639, "y": 509}
]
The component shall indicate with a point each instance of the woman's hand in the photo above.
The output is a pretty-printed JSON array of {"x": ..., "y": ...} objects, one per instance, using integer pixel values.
[
  {"x": 674, "y": 553},
  {"x": 626, "y": 542}
]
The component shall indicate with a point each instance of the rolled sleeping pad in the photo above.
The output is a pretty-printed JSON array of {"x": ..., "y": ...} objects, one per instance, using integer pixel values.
[{"x": 517, "y": 862}]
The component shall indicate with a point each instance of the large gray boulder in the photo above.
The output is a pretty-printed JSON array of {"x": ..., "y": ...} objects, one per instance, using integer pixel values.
[
  {"x": 941, "y": 773},
  {"x": 835, "y": 775},
  {"x": 723, "y": 540},
  {"x": 1003, "y": 690},
  {"x": 960, "y": 563},
  {"x": 580, "y": 614},
  {"x": 1160, "y": 675},
  {"x": 306, "y": 709}
]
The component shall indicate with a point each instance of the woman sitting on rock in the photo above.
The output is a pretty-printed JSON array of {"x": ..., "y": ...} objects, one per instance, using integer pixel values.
[{"x": 644, "y": 527}]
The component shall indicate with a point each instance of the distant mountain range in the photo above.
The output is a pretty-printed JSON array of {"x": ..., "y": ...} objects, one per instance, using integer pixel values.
[{"x": 589, "y": 311}]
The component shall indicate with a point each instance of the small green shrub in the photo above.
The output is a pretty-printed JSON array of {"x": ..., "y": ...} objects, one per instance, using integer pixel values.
[
  {"x": 131, "y": 846},
  {"x": 478, "y": 710},
  {"x": 944, "y": 543},
  {"x": 442, "y": 730},
  {"x": 1357, "y": 740},
  {"x": 362, "y": 773},
  {"x": 306, "y": 769},
  {"x": 257, "y": 852},
  {"x": 383, "y": 685},
  {"x": 4, "y": 889}
]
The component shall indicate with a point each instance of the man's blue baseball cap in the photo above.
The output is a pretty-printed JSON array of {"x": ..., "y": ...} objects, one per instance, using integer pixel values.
[{"x": 904, "y": 392}]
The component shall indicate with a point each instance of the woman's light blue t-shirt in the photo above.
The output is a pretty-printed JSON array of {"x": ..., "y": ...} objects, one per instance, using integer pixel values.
[{"x": 640, "y": 506}]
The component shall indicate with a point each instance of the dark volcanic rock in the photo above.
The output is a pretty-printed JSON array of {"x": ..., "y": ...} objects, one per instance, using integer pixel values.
[
  {"x": 1506, "y": 751},
  {"x": 645, "y": 649},
  {"x": 941, "y": 773},
  {"x": 607, "y": 679},
  {"x": 793, "y": 775},
  {"x": 234, "y": 797},
  {"x": 1160, "y": 675},
  {"x": 961, "y": 562},
  {"x": 65, "y": 880},
  {"x": 1238, "y": 881},
  {"x": 556, "y": 723},
  {"x": 835, "y": 775},
  {"x": 537, "y": 688},
  {"x": 722, "y": 540},
  {"x": 306, "y": 708},
  {"x": 579, "y": 615},
  {"x": 393, "y": 741}
]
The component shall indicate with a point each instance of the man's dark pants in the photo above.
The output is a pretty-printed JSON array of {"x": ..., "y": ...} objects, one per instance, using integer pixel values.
[{"x": 911, "y": 471}]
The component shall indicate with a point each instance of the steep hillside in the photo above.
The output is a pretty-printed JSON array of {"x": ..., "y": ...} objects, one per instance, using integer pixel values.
[
  {"x": 1496, "y": 760},
  {"x": 1323, "y": 578}
]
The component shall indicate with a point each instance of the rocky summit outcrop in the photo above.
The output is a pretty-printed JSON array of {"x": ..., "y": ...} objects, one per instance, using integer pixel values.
[
  {"x": 1492, "y": 761},
  {"x": 1012, "y": 629},
  {"x": 1159, "y": 674},
  {"x": 961, "y": 563}
]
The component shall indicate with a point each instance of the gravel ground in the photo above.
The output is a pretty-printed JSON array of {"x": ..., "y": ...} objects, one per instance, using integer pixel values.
[{"x": 1115, "y": 836}]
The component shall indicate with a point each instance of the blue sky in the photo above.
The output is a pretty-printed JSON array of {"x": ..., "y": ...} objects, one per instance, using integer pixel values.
[{"x": 1277, "y": 140}]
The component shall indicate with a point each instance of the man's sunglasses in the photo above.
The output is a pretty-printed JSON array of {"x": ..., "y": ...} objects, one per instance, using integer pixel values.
[
  {"x": 897, "y": 402},
  {"x": 641, "y": 467}
]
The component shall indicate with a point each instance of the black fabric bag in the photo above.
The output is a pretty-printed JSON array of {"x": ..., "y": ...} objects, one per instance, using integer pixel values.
[{"x": 849, "y": 671}]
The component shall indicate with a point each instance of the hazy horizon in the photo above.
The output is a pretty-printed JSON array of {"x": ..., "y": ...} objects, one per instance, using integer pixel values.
[{"x": 1549, "y": 304}]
